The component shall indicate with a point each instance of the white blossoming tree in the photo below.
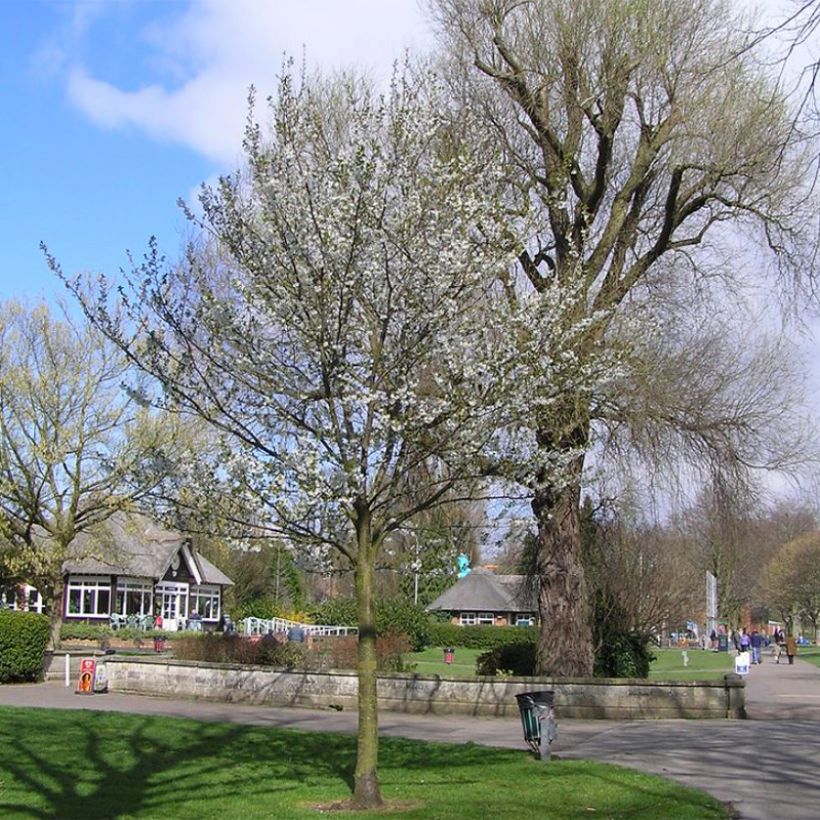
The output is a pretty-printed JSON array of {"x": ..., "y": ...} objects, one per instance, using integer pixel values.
[{"x": 337, "y": 325}]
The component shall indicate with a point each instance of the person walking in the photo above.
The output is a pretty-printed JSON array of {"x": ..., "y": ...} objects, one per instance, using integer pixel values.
[
  {"x": 791, "y": 648},
  {"x": 745, "y": 640},
  {"x": 777, "y": 648},
  {"x": 756, "y": 642}
]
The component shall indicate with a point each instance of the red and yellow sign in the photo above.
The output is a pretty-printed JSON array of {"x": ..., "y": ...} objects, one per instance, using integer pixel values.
[{"x": 88, "y": 676}]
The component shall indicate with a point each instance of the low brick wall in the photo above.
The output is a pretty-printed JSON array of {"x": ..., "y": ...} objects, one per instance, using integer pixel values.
[{"x": 612, "y": 699}]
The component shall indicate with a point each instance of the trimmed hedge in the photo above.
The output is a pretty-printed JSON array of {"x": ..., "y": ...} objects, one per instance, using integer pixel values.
[
  {"x": 95, "y": 632},
  {"x": 23, "y": 639},
  {"x": 84, "y": 632},
  {"x": 480, "y": 637}
]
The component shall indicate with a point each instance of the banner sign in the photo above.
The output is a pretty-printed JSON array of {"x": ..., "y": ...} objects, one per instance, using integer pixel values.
[{"x": 88, "y": 675}]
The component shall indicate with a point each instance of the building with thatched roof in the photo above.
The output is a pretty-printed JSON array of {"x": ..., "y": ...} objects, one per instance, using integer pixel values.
[
  {"x": 131, "y": 570},
  {"x": 484, "y": 598}
]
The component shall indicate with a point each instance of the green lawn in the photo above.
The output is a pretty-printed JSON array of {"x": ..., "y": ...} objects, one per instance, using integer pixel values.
[
  {"x": 95, "y": 765},
  {"x": 809, "y": 653},
  {"x": 703, "y": 665},
  {"x": 431, "y": 662},
  {"x": 668, "y": 664}
]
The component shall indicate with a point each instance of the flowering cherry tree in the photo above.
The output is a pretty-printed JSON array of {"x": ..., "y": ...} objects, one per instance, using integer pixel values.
[{"x": 336, "y": 323}]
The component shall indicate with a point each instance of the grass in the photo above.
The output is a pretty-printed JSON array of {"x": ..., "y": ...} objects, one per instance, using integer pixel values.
[
  {"x": 95, "y": 765},
  {"x": 668, "y": 664},
  {"x": 431, "y": 662},
  {"x": 703, "y": 665},
  {"x": 808, "y": 653}
]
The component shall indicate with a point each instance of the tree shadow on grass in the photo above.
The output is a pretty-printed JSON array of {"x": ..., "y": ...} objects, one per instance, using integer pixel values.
[
  {"x": 89, "y": 764},
  {"x": 105, "y": 765}
]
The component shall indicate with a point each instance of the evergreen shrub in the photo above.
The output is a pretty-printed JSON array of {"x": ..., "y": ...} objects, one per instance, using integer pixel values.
[
  {"x": 23, "y": 640},
  {"x": 623, "y": 655},
  {"x": 480, "y": 637},
  {"x": 394, "y": 616}
]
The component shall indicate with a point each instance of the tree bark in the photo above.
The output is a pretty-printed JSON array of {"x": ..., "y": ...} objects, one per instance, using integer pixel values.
[
  {"x": 366, "y": 791},
  {"x": 565, "y": 644},
  {"x": 54, "y": 600}
]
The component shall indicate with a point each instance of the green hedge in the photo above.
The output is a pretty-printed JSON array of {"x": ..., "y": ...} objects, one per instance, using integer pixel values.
[
  {"x": 624, "y": 655},
  {"x": 394, "y": 616},
  {"x": 95, "y": 632},
  {"x": 480, "y": 637},
  {"x": 23, "y": 639},
  {"x": 84, "y": 632}
]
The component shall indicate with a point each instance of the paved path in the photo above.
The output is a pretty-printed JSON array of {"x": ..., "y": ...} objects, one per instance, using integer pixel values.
[{"x": 767, "y": 767}]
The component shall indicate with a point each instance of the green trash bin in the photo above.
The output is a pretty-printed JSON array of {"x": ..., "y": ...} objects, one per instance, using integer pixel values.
[{"x": 538, "y": 720}]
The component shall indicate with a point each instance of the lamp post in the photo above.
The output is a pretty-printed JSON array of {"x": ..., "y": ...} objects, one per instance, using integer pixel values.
[{"x": 416, "y": 570}]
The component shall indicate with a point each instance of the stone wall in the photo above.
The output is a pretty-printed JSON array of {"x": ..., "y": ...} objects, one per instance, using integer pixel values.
[
  {"x": 54, "y": 662},
  {"x": 427, "y": 694}
]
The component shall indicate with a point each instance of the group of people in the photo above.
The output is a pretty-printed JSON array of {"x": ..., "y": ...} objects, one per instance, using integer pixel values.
[
  {"x": 782, "y": 642},
  {"x": 755, "y": 642}
]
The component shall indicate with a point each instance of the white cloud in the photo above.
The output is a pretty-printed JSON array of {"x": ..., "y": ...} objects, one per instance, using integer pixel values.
[{"x": 211, "y": 54}]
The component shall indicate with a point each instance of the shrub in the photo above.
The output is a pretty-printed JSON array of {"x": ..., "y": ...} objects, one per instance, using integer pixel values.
[
  {"x": 623, "y": 655},
  {"x": 512, "y": 658},
  {"x": 336, "y": 611},
  {"x": 622, "y": 652},
  {"x": 264, "y": 607},
  {"x": 341, "y": 652},
  {"x": 398, "y": 616},
  {"x": 84, "y": 632},
  {"x": 393, "y": 616},
  {"x": 23, "y": 639},
  {"x": 95, "y": 632},
  {"x": 480, "y": 637},
  {"x": 234, "y": 649}
]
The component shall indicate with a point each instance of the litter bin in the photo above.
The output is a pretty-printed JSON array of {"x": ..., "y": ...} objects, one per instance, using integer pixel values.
[
  {"x": 538, "y": 720},
  {"x": 723, "y": 643},
  {"x": 448, "y": 655},
  {"x": 159, "y": 643}
]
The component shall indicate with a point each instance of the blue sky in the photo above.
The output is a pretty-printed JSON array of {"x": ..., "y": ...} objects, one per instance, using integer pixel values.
[{"x": 114, "y": 109}]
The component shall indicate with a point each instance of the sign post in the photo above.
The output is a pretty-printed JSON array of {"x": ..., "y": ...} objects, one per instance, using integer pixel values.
[{"x": 87, "y": 679}]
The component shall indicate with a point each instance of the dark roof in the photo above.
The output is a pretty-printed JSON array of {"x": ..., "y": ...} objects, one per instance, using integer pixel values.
[
  {"x": 131, "y": 544},
  {"x": 481, "y": 590}
]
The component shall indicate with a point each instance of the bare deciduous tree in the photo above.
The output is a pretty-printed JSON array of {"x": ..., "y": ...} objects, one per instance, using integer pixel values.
[
  {"x": 74, "y": 447},
  {"x": 656, "y": 151}
]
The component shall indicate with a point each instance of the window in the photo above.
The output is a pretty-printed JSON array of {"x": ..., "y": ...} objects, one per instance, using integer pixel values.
[
  {"x": 134, "y": 597},
  {"x": 89, "y": 597},
  {"x": 204, "y": 600},
  {"x": 472, "y": 618}
]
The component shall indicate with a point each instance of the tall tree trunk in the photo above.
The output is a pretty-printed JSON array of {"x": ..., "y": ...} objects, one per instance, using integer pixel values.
[
  {"x": 366, "y": 792},
  {"x": 565, "y": 645},
  {"x": 55, "y": 603}
]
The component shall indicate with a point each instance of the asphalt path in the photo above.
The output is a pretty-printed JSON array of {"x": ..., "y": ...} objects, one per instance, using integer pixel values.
[{"x": 767, "y": 767}]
